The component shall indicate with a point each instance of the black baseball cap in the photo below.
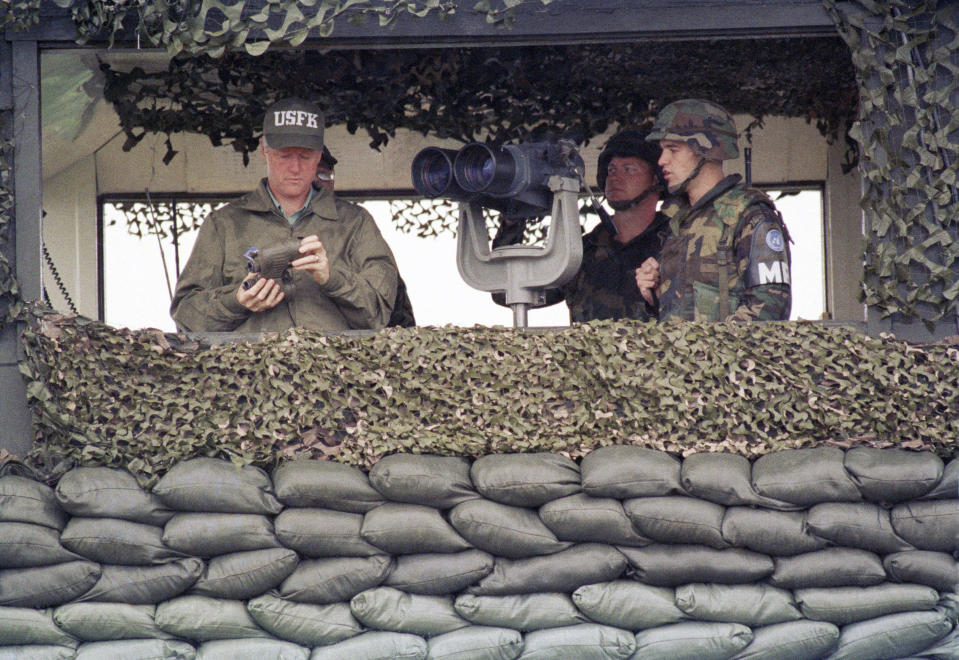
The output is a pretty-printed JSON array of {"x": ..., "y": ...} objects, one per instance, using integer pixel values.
[{"x": 293, "y": 122}]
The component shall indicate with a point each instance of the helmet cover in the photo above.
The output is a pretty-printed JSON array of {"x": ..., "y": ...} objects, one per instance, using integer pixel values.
[{"x": 704, "y": 126}]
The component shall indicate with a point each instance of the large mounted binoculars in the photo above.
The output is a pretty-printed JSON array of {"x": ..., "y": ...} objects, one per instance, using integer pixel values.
[
  {"x": 512, "y": 179},
  {"x": 525, "y": 180}
]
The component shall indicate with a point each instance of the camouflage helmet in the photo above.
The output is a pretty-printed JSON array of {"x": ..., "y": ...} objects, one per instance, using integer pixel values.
[
  {"x": 629, "y": 143},
  {"x": 703, "y": 125}
]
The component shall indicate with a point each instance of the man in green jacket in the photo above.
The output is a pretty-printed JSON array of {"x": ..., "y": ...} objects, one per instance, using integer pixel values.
[
  {"x": 344, "y": 276},
  {"x": 727, "y": 256}
]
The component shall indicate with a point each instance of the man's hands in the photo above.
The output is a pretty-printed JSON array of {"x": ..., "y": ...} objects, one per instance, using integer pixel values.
[
  {"x": 647, "y": 279},
  {"x": 314, "y": 260},
  {"x": 263, "y": 295},
  {"x": 267, "y": 293}
]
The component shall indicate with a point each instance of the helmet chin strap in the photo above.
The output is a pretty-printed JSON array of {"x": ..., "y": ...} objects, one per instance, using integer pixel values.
[
  {"x": 635, "y": 201},
  {"x": 681, "y": 188}
]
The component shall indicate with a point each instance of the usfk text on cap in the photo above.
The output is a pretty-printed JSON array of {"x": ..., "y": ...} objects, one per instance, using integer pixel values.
[{"x": 293, "y": 123}]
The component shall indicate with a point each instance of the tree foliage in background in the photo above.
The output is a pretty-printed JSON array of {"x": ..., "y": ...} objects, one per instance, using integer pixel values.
[{"x": 906, "y": 55}]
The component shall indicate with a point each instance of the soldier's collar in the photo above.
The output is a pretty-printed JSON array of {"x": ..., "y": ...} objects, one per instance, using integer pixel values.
[{"x": 728, "y": 182}]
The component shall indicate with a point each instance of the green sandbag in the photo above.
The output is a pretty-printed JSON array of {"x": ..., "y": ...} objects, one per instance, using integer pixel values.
[
  {"x": 47, "y": 586},
  {"x": 410, "y": 529},
  {"x": 628, "y": 604},
  {"x": 476, "y": 643},
  {"x": 505, "y": 531},
  {"x": 832, "y": 567},
  {"x": 805, "y": 477},
  {"x": 777, "y": 533},
  {"x": 212, "y": 534},
  {"x": 586, "y": 641},
  {"x": 115, "y": 541},
  {"x": 678, "y": 519},
  {"x": 439, "y": 574},
  {"x": 251, "y": 649},
  {"x": 243, "y": 575},
  {"x": 24, "y": 625},
  {"x": 793, "y": 640},
  {"x": 24, "y": 545},
  {"x": 385, "y": 608},
  {"x": 202, "y": 619},
  {"x": 933, "y": 569},
  {"x": 929, "y": 525},
  {"x": 523, "y": 612},
  {"x": 302, "y": 623},
  {"x": 137, "y": 649},
  {"x": 37, "y": 652},
  {"x": 102, "y": 492},
  {"x": 625, "y": 471},
  {"x": 749, "y": 604},
  {"x": 437, "y": 481},
  {"x": 324, "y": 581},
  {"x": 587, "y": 519},
  {"x": 326, "y": 485},
  {"x": 25, "y": 500},
  {"x": 104, "y": 622},
  {"x": 843, "y": 605},
  {"x": 210, "y": 485},
  {"x": 692, "y": 641},
  {"x": 856, "y": 525},
  {"x": 375, "y": 645},
  {"x": 725, "y": 479},
  {"x": 529, "y": 480},
  {"x": 948, "y": 486},
  {"x": 316, "y": 533},
  {"x": 891, "y": 636},
  {"x": 564, "y": 571},
  {"x": 889, "y": 476},
  {"x": 672, "y": 565},
  {"x": 145, "y": 585}
]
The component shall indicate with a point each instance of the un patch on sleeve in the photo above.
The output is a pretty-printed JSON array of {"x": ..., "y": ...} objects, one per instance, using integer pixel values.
[{"x": 774, "y": 240}]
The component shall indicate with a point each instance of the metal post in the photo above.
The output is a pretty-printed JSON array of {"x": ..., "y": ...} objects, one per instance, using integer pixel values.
[{"x": 21, "y": 93}]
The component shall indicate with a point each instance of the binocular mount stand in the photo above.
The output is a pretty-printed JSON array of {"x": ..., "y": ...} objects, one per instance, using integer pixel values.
[{"x": 522, "y": 272}]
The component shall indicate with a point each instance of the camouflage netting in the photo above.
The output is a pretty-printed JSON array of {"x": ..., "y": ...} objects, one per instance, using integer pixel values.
[
  {"x": 144, "y": 401},
  {"x": 905, "y": 54}
]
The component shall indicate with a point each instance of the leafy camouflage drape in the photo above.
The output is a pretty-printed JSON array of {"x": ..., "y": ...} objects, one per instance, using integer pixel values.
[{"x": 905, "y": 54}]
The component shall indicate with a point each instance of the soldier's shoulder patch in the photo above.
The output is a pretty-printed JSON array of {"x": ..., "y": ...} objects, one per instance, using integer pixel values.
[{"x": 775, "y": 241}]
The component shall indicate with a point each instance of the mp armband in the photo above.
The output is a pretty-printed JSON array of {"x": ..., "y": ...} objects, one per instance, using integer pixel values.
[{"x": 768, "y": 256}]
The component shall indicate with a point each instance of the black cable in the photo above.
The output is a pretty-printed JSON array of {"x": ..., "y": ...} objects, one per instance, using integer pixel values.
[{"x": 57, "y": 279}]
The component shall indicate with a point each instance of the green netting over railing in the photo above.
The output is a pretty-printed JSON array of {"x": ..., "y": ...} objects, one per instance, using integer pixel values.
[{"x": 143, "y": 400}]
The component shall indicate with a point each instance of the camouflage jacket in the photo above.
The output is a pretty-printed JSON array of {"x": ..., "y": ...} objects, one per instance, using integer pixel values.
[
  {"x": 605, "y": 286},
  {"x": 757, "y": 254}
]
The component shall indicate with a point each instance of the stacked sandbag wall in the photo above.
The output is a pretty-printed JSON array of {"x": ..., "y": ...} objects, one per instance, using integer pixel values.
[{"x": 629, "y": 553}]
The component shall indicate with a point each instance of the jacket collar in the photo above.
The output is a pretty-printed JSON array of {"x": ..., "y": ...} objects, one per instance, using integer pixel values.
[{"x": 259, "y": 201}]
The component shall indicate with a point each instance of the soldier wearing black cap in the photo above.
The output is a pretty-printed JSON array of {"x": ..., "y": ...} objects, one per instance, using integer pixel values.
[
  {"x": 606, "y": 286},
  {"x": 343, "y": 275}
]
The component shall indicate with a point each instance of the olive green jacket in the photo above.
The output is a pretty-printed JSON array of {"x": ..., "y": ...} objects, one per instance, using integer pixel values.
[{"x": 359, "y": 293}]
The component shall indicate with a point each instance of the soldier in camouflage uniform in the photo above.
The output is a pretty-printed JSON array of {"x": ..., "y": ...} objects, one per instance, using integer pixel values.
[
  {"x": 727, "y": 256},
  {"x": 605, "y": 286}
]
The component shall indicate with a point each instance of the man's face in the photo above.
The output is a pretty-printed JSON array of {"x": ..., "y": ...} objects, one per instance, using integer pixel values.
[
  {"x": 677, "y": 162},
  {"x": 627, "y": 178},
  {"x": 290, "y": 171}
]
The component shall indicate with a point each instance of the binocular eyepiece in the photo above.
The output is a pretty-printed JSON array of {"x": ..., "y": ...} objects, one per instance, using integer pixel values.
[{"x": 512, "y": 178}]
